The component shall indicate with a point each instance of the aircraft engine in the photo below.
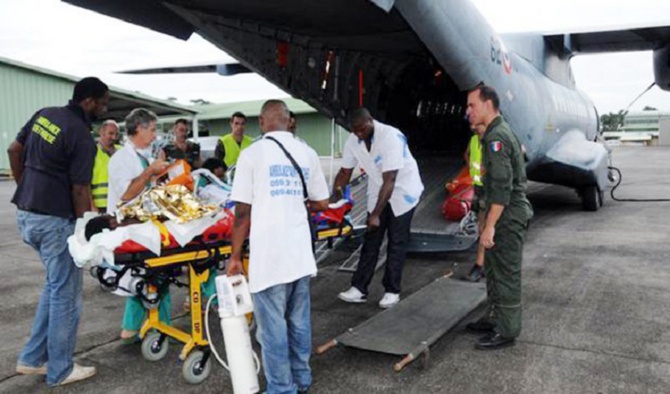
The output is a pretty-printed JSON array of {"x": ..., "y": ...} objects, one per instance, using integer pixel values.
[{"x": 662, "y": 67}]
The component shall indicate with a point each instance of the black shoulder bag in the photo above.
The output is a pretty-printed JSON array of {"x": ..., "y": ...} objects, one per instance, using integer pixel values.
[{"x": 312, "y": 225}]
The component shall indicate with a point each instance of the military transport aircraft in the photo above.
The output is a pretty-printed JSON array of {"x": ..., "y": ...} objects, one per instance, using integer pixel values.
[{"x": 411, "y": 63}]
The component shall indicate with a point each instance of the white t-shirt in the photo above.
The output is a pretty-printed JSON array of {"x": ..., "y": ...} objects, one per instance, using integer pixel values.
[
  {"x": 388, "y": 152},
  {"x": 124, "y": 166},
  {"x": 279, "y": 240}
]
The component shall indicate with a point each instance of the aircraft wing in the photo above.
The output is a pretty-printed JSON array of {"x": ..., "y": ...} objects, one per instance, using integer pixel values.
[
  {"x": 614, "y": 40},
  {"x": 150, "y": 14},
  {"x": 226, "y": 69}
]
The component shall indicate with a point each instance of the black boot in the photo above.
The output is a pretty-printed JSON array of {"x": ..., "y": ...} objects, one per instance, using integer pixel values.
[
  {"x": 481, "y": 326},
  {"x": 494, "y": 341}
]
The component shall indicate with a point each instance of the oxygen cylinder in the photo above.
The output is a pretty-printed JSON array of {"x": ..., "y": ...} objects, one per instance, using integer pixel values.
[{"x": 234, "y": 302}]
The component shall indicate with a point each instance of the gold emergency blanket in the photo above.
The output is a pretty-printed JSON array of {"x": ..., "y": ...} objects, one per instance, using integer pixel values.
[{"x": 173, "y": 202}]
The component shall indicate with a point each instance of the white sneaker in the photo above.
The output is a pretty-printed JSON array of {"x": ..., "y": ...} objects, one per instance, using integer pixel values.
[
  {"x": 352, "y": 295},
  {"x": 26, "y": 370},
  {"x": 78, "y": 373},
  {"x": 389, "y": 300}
]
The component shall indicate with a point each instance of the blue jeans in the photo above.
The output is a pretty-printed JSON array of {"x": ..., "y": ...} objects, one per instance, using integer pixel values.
[
  {"x": 54, "y": 332},
  {"x": 282, "y": 314}
]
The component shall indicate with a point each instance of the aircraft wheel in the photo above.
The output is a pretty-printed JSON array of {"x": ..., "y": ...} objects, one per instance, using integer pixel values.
[
  {"x": 154, "y": 346},
  {"x": 601, "y": 198},
  {"x": 194, "y": 370},
  {"x": 590, "y": 197}
]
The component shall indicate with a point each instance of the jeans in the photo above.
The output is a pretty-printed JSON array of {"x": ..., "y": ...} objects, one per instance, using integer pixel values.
[
  {"x": 54, "y": 332},
  {"x": 398, "y": 229},
  {"x": 282, "y": 313}
]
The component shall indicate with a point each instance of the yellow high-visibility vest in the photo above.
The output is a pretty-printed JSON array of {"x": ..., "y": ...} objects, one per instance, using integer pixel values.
[
  {"x": 100, "y": 181},
  {"x": 233, "y": 149},
  {"x": 476, "y": 160}
]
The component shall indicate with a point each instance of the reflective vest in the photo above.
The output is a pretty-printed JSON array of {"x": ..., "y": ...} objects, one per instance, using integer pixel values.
[
  {"x": 99, "y": 183},
  {"x": 233, "y": 149},
  {"x": 476, "y": 160}
]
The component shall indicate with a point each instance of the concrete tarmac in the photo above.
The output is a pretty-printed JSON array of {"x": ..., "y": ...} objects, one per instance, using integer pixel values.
[{"x": 596, "y": 318}]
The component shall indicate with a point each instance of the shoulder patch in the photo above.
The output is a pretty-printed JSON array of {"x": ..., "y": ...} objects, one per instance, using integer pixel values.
[{"x": 495, "y": 146}]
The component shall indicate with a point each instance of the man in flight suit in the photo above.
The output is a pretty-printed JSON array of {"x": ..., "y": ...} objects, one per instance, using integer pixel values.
[{"x": 507, "y": 215}]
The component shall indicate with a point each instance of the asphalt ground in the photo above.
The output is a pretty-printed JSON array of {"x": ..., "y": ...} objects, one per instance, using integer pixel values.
[{"x": 596, "y": 319}]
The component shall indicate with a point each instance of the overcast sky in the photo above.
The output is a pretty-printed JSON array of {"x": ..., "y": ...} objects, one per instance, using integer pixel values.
[{"x": 55, "y": 35}]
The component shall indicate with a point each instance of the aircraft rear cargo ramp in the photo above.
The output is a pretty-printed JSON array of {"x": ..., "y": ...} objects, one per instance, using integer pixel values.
[
  {"x": 431, "y": 232},
  {"x": 415, "y": 323}
]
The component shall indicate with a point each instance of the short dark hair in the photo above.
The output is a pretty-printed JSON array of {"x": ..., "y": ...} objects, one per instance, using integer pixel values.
[
  {"x": 212, "y": 164},
  {"x": 89, "y": 87},
  {"x": 487, "y": 93},
  {"x": 96, "y": 225},
  {"x": 238, "y": 114},
  {"x": 182, "y": 121},
  {"x": 139, "y": 116},
  {"x": 358, "y": 114},
  {"x": 291, "y": 114},
  {"x": 274, "y": 103}
]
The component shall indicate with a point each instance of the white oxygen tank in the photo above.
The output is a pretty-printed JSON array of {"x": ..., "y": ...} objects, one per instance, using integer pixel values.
[{"x": 234, "y": 302}]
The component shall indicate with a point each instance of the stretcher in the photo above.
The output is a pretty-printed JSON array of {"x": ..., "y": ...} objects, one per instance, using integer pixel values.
[
  {"x": 411, "y": 327},
  {"x": 151, "y": 275}
]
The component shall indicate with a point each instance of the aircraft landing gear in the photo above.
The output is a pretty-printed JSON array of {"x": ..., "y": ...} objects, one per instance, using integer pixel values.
[{"x": 592, "y": 198}]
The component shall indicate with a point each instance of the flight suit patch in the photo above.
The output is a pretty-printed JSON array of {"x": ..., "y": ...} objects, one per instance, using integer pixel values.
[{"x": 495, "y": 146}]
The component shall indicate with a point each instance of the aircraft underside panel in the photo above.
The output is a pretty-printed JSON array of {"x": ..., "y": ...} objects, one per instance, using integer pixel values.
[
  {"x": 390, "y": 73},
  {"x": 572, "y": 161}
]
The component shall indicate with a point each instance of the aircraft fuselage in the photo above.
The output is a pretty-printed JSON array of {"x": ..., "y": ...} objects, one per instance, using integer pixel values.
[{"x": 541, "y": 111}]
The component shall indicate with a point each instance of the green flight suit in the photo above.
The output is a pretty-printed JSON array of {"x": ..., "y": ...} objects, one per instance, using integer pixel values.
[{"x": 505, "y": 184}]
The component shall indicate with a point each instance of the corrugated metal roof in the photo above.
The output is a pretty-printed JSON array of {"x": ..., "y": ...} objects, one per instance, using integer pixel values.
[
  {"x": 122, "y": 101},
  {"x": 248, "y": 108}
]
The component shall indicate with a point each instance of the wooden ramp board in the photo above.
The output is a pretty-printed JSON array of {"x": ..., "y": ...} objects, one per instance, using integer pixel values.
[
  {"x": 417, "y": 321},
  {"x": 436, "y": 243}
]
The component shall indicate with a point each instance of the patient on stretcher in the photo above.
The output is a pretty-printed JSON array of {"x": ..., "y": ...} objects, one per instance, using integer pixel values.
[
  {"x": 333, "y": 218},
  {"x": 105, "y": 222}
]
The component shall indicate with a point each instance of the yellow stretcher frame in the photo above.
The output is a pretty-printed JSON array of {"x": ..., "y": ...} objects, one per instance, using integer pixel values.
[
  {"x": 196, "y": 338},
  {"x": 343, "y": 231}
]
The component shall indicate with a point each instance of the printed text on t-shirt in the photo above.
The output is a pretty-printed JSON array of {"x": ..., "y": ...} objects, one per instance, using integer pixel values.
[{"x": 285, "y": 180}]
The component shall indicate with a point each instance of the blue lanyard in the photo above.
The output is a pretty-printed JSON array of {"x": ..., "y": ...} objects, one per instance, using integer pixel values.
[{"x": 143, "y": 160}]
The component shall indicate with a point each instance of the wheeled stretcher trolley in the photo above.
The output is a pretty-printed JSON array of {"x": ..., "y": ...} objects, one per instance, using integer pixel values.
[{"x": 150, "y": 275}]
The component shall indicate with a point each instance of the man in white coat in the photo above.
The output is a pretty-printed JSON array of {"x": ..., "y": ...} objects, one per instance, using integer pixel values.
[
  {"x": 394, "y": 189},
  {"x": 268, "y": 191}
]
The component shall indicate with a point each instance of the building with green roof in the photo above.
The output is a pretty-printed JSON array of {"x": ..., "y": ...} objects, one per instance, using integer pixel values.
[
  {"x": 25, "y": 88},
  {"x": 313, "y": 127}
]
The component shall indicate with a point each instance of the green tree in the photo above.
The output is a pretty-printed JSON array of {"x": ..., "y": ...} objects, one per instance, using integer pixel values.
[{"x": 612, "y": 121}]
